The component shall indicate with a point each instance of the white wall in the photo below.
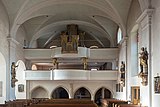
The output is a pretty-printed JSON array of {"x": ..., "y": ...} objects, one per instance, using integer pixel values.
[
  {"x": 133, "y": 14},
  {"x": 20, "y": 37},
  {"x": 122, "y": 57},
  {"x": 3, "y": 78},
  {"x": 4, "y": 31},
  {"x": 20, "y": 76},
  {"x": 132, "y": 79},
  {"x": 156, "y": 47},
  {"x": 132, "y": 61},
  {"x": 16, "y": 53}
]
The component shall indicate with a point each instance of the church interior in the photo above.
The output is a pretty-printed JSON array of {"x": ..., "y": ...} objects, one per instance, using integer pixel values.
[{"x": 79, "y": 53}]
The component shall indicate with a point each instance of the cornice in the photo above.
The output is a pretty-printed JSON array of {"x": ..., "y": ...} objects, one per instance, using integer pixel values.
[{"x": 147, "y": 12}]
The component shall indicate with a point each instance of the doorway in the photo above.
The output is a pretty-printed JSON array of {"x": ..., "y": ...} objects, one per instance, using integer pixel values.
[{"x": 135, "y": 95}]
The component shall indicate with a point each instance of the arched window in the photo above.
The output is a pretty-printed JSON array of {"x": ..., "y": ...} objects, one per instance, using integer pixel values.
[{"x": 119, "y": 35}]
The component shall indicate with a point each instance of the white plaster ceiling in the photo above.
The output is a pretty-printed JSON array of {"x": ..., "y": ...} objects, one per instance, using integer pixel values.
[{"x": 44, "y": 19}]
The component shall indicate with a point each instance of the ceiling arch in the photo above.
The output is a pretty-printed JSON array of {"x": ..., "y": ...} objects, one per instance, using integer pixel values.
[
  {"x": 109, "y": 9},
  {"x": 30, "y": 13},
  {"x": 85, "y": 25}
]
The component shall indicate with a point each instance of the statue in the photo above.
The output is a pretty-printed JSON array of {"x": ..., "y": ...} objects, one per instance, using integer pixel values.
[
  {"x": 122, "y": 70},
  {"x": 143, "y": 60},
  {"x": 13, "y": 74}
]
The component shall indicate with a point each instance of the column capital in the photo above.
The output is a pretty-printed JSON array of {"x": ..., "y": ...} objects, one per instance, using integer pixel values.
[
  {"x": 12, "y": 40},
  {"x": 146, "y": 13},
  {"x": 124, "y": 40}
]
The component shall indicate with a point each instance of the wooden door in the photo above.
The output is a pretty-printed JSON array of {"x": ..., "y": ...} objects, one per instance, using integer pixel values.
[{"x": 135, "y": 95}]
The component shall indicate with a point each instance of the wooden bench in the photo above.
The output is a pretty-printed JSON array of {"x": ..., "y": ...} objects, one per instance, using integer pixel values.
[
  {"x": 68, "y": 101},
  {"x": 3, "y": 105},
  {"x": 130, "y": 105},
  {"x": 63, "y": 105},
  {"x": 112, "y": 102}
]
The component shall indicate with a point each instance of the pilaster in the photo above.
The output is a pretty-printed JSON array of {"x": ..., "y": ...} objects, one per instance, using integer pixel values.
[
  {"x": 145, "y": 40},
  {"x": 12, "y": 58}
]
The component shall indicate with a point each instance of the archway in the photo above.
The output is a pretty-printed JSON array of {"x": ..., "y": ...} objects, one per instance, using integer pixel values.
[
  {"x": 20, "y": 89},
  {"x": 102, "y": 93},
  {"x": 60, "y": 93},
  {"x": 82, "y": 93},
  {"x": 39, "y": 92},
  {"x": 2, "y": 79}
]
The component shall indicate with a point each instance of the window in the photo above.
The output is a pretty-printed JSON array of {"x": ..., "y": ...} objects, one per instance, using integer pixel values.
[{"x": 119, "y": 35}]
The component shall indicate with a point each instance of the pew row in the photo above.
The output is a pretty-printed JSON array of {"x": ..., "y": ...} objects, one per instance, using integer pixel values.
[{"x": 63, "y": 105}]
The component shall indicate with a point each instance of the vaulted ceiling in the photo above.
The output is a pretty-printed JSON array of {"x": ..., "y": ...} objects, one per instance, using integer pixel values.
[{"x": 44, "y": 20}]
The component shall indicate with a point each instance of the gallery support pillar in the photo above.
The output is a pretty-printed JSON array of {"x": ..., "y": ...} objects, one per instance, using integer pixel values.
[{"x": 71, "y": 90}]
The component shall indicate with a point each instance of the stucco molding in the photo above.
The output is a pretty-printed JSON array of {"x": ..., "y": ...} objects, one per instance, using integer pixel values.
[
  {"x": 147, "y": 12},
  {"x": 12, "y": 40}
]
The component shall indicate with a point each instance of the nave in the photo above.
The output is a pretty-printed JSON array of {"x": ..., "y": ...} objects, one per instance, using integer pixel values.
[{"x": 80, "y": 49}]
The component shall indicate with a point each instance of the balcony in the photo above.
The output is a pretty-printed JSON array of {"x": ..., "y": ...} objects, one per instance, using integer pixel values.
[
  {"x": 104, "y": 53},
  {"x": 70, "y": 74}
]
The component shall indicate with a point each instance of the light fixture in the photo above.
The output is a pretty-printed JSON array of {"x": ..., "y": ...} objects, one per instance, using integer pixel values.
[
  {"x": 93, "y": 47},
  {"x": 51, "y": 47}
]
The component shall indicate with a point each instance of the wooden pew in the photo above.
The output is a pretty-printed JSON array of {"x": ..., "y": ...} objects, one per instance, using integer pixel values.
[
  {"x": 67, "y": 101},
  {"x": 15, "y": 104},
  {"x": 112, "y": 102},
  {"x": 63, "y": 105},
  {"x": 130, "y": 105},
  {"x": 3, "y": 105}
]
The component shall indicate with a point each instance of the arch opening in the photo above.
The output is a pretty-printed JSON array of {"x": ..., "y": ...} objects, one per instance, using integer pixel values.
[
  {"x": 60, "y": 93},
  {"x": 101, "y": 94},
  {"x": 39, "y": 92},
  {"x": 82, "y": 93}
]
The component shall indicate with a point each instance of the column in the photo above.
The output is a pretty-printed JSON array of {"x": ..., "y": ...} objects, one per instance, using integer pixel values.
[
  {"x": 103, "y": 93},
  {"x": 85, "y": 63},
  {"x": 12, "y": 58},
  {"x": 71, "y": 90}
]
